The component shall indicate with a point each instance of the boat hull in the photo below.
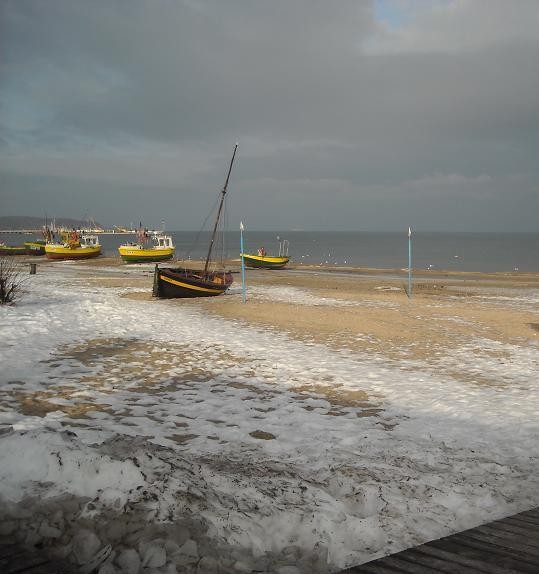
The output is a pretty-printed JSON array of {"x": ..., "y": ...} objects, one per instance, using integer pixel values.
[
  {"x": 264, "y": 262},
  {"x": 131, "y": 254},
  {"x": 35, "y": 247},
  {"x": 54, "y": 251},
  {"x": 186, "y": 283},
  {"x": 13, "y": 250}
]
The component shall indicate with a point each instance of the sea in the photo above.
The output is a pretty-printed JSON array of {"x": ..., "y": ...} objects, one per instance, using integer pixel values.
[{"x": 487, "y": 252}]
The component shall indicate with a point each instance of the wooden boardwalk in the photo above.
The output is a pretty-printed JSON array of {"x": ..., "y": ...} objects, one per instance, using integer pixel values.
[{"x": 507, "y": 546}]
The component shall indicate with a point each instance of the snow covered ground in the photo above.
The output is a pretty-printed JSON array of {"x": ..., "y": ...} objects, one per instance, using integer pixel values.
[{"x": 147, "y": 434}]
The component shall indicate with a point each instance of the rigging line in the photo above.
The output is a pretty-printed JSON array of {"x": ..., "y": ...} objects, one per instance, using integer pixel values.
[
  {"x": 221, "y": 237},
  {"x": 219, "y": 211},
  {"x": 194, "y": 243},
  {"x": 224, "y": 236},
  {"x": 217, "y": 263}
]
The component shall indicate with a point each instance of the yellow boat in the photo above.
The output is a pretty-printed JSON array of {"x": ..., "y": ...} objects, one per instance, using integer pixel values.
[
  {"x": 264, "y": 261},
  {"x": 74, "y": 246},
  {"x": 161, "y": 250}
]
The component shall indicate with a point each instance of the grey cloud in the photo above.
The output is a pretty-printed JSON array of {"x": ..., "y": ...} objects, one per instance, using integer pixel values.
[{"x": 146, "y": 96}]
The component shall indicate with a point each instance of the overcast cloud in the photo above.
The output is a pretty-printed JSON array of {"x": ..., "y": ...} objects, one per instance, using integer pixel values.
[{"x": 361, "y": 115}]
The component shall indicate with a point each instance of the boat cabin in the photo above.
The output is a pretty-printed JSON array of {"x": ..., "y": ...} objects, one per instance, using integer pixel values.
[
  {"x": 163, "y": 241},
  {"x": 89, "y": 241}
]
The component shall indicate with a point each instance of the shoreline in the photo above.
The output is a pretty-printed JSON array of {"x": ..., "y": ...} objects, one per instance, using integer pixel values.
[{"x": 234, "y": 265}]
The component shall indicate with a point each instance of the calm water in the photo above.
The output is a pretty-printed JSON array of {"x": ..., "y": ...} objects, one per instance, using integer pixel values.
[{"x": 452, "y": 251}]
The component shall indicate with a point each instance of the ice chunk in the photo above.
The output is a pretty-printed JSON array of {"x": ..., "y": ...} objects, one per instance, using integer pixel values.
[
  {"x": 129, "y": 561},
  {"x": 153, "y": 555},
  {"x": 85, "y": 545}
]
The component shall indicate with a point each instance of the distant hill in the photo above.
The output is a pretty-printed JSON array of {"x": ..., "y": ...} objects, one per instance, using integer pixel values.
[{"x": 10, "y": 222}]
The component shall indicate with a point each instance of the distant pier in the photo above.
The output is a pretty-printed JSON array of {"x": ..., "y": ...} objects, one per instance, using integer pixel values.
[
  {"x": 21, "y": 231},
  {"x": 39, "y": 231}
]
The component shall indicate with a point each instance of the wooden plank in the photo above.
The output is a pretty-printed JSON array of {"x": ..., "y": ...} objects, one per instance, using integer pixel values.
[
  {"x": 519, "y": 536},
  {"x": 416, "y": 562},
  {"x": 481, "y": 556},
  {"x": 518, "y": 527},
  {"x": 464, "y": 563},
  {"x": 487, "y": 544},
  {"x": 531, "y": 520},
  {"x": 506, "y": 542},
  {"x": 375, "y": 567},
  {"x": 534, "y": 512},
  {"x": 506, "y": 546},
  {"x": 485, "y": 552},
  {"x": 519, "y": 518}
]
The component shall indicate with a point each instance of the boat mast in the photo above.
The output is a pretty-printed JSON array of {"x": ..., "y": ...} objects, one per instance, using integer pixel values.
[{"x": 223, "y": 193}]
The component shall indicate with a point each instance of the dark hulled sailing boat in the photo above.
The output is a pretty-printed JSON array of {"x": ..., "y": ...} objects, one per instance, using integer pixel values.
[{"x": 179, "y": 282}]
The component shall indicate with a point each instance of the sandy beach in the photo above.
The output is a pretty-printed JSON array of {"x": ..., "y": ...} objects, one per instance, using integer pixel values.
[
  {"x": 329, "y": 420},
  {"x": 446, "y": 309},
  {"x": 442, "y": 313}
]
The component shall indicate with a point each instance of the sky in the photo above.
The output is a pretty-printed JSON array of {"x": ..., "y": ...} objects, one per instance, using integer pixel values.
[{"x": 356, "y": 115}]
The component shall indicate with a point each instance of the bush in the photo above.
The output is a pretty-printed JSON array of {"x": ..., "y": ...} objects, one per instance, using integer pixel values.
[{"x": 11, "y": 280}]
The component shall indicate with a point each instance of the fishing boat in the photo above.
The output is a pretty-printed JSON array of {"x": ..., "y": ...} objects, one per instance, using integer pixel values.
[
  {"x": 264, "y": 261},
  {"x": 74, "y": 245},
  {"x": 178, "y": 282},
  {"x": 35, "y": 247},
  {"x": 12, "y": 249},
  {"x": 149, "y": 247}
]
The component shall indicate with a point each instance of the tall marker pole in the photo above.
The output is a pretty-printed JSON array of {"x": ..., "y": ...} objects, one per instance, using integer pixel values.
[
  {"x": 242, "y": 263},
  {"x": 409, "y": 263}
]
